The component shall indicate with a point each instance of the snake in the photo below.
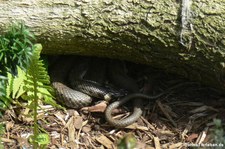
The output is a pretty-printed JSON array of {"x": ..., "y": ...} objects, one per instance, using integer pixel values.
[
  {"x": 80, "y": 91},
  {"x": 86, "y": 77}
]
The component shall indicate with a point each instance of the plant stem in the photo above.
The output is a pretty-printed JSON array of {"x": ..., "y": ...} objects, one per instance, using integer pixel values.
[{"x": 35, "y": 130}]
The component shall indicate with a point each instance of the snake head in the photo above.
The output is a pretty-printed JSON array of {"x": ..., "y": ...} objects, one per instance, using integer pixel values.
[{"x": 118, "y": 93}]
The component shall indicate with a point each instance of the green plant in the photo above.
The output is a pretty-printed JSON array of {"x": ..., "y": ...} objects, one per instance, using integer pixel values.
[
  {"x": 127, "y": 142},
  {"x": 23, "y": 75},
  {"x": 15, "y": 48},
  {"x": 31, "y": 85},
  {"x": 4, "y": 101},
  {"x": 37, "y": 77},
  {"x": 217, "y": 134},
  {"x": 2, "y": 131},
  {"x": 16, "y": 58}
]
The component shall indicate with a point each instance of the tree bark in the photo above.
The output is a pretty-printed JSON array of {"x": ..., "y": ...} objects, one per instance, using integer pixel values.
[{"x": 185, "y": 37}]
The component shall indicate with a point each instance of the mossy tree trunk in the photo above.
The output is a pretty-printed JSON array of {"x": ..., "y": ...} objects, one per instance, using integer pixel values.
[{"x": 186, "y": 37}]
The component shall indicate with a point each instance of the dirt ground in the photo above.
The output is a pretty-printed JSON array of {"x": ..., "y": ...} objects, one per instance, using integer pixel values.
[{"x": 182, "y": 118}]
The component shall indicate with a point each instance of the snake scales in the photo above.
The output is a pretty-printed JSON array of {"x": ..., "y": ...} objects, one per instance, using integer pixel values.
[{"x": 87, "y": 76}]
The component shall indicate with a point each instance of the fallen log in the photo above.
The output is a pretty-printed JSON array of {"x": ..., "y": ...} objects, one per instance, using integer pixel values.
[{"x": 183, "y": 37}]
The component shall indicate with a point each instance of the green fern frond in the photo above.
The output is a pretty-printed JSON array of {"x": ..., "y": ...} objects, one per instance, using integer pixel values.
[
  {"x": 35, "y": 85},
  {"x": 3, "y": 86},
  {"x": 34, "y": 80},
  {"x": 9, "y": 85},
  {"x": 18, "y": 83},
  {"x": 28, "y": 78},
  {"x": 11, "y": 88},
  {"x": 37, "y": 79},
  {"x": 14, "y": 88},
  {"x": 2, "y": 131},
  {"x": 4, "y": 100}
]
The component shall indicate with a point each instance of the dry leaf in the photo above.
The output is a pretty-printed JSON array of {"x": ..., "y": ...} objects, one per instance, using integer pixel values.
[
  {"x": 157, "y": 143},
  {"x": 60, "y": 117},
  {"x": 136, "y": 126},
  {"x": 96, "y": 108},
  {"x": 9, "y": 125},
  {"x": 24, "y": 116},
  {"x": 175, "y": 146},
  {"x": 78, "y": 121},
  {"x": 105, "y": 141},
  {"x": 86, "y": 129},
  {"x": 192, "y": 137}
]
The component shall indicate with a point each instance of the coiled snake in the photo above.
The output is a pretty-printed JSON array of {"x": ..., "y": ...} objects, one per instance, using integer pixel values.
[{"x": 87, "y": 76}]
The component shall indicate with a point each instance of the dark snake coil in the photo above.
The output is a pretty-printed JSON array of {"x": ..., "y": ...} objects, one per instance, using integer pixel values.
[
  {"x": 70, "y": 97},
  {"x": 83, "y": 90}
]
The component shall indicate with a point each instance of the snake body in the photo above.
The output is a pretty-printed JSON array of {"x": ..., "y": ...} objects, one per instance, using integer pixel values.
[
  {"x": 85, "y": 86},
  {"x": 70, "y": 97},
  {"x": 95, "y": 89},
  {"x": 122, "y": 80}
]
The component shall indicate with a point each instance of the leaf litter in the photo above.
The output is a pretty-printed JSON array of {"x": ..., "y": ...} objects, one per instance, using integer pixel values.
[{"x": 181, "y": 118}]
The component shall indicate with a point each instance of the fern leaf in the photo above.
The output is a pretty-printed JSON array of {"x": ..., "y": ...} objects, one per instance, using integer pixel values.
[
  {"x": 2, "y": 87},
  {"x": 4, "y": 101},
  {"x": 15, "y": 84},
  {"x": 37, "y": 77},
  {"x": 9, "y": 85},
  {"x": 35, "y": 73},
  {"x": 18, "y": 83}
]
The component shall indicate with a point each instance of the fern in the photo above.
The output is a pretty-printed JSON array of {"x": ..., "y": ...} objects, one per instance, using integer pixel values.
[
  {"x": 15, "y": 84},
  {"x": 23, "y": 74},
  {"x": 17, "y": 89},
  {"x": 32, "y": 85},
  {"x": 35, "y": 86},
  {"x": 37, "y": 78},
  {"x": 2, "y": 131},
  {"x": 22, "y": 85},
  {"x": 4, "y": 100},
  {"x": 15, "y": 51}
]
